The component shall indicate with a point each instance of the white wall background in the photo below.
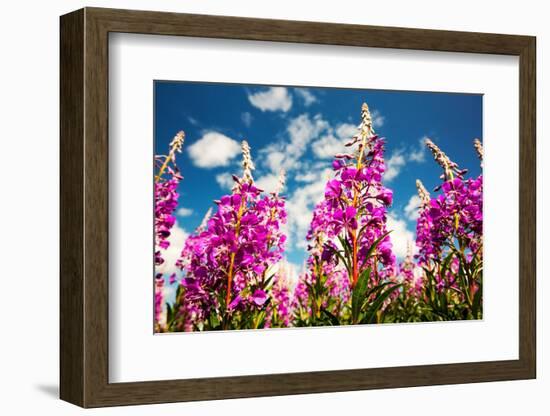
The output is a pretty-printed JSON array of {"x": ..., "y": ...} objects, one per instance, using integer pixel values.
[{"x": 29, "y": 77}]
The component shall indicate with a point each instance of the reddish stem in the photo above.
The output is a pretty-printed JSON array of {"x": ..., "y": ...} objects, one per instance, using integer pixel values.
[
  {"x": 232, "y": 256},
  {"x": 355, "y": 271}
]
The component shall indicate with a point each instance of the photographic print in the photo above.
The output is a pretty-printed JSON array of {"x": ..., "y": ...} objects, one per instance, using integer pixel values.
[
  {"x": 293, "y": 203},
  {"x": 284, "y": 206}
]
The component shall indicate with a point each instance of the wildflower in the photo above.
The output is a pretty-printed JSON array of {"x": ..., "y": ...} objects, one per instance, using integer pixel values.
[
  {"x": 450, "y": 227},
  {"x": 348, "y": 221},
  {"x": 231, "y": 257}
]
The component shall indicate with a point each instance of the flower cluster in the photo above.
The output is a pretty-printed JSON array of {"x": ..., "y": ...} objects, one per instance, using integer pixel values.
[
  {"x": 166, "y": 196},
  {"x": 449, "y": 237},
  {"x": 348, "y": 236},
  {"x": 354, "y": 208},
  {"x": 457, "y": 213},
  {"x": 166, "y": 201},
  {"x": 228, "y": 263}
]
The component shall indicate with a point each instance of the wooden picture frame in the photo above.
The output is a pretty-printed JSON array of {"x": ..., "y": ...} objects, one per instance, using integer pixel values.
[{"x": 84, "y": 207}]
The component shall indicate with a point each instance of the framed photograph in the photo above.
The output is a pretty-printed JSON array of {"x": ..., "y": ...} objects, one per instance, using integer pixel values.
[{"x": 260, "y": 207}]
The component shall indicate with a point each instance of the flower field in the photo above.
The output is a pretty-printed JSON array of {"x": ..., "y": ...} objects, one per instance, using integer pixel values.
[{"x": 232, "y": 272}]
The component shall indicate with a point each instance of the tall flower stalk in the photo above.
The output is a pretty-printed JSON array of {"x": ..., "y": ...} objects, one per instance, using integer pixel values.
[
  {"x": 176, "y": 145},
  {"x": 449, "y": 239},
  {"x": 348, "y": 232},
  {"x": 166, "y": 198},
  {"x": 227, "y": 274},
  {"x": 248, "y": 180}
]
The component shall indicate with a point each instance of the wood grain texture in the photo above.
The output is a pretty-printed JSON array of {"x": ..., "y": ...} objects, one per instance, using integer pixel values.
[
  {"x": 71, "y": 217},
  {"x": 84, "y": 207},
  {"x": 527, "y": 208}
]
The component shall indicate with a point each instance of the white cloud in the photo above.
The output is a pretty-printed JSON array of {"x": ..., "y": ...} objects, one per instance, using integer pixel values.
[
  {"x": 274, "y": 159},
  {"x": 419, "y": 154},
  {"x": 377, "y": 119},
  {"x": 400, "y": 235},
  {"x": 247, "y": 118},
  {"x": 334, "y": 141},
  {"x": 346, "y": 131},
  {"x": 300, "y": 206},
  {"x": 302, "y": 130},
  {"x": 306, "y": 95},
  {"x": 272, "y": 99},
  {"x": 267, "y": 183},
  {"x": 225, "y": 180},
  {"x": 177, "y": 239},
  {"x": 327, "y": 146},
  {"x": 305, "y": 177},
  {"x": 192, "y": 120},
  {"x": 411, "y": 209},
  {"x": 184, "y": 212},
  {"x": 287, "y": 154},
  {"x": 213, "y": 149},
  {"x": 394, "y": 165}
]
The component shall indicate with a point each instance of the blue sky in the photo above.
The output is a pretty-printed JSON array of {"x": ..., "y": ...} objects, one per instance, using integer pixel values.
[{"x": 300, "y": 129}]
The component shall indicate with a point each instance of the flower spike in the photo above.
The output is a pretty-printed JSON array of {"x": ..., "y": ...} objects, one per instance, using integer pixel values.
[
  {"x": 449, "y": 167},
  {"x": 366, "y": 128},
  {"x": 176, "y": 145},
  {"x": 479, "y": 149},
  {"x": 423, "y": 194},
  {"x": 281, "y": 182},
  {"x": 248, "y": 165}
]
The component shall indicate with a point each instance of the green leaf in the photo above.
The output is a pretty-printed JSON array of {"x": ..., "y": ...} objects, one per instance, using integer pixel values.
[
  {"x": 267, "y": 281},
  {"x": 345, "y": 245},
  {"x": 375, "y": 244},
  {"x": 359, "y": 293},
  {"x": 476, "y": 306},
  {"x": 169, "y": 313},
  {"x": 331, "y": 318},
  {"x": 377, "y": 289},
  {"x": 214, "y": 321},
  {"x": 259, "y": 319},
  {"x": 477, "y": 271},
  {"x": 370, "y": 314},
  {"x": 446, "y": 263},
  {"x": 443, "y": 300},
  {"x": 179, "y": 292}
]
